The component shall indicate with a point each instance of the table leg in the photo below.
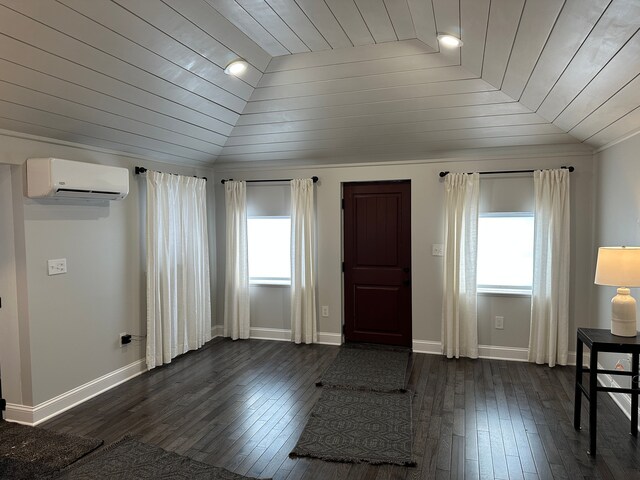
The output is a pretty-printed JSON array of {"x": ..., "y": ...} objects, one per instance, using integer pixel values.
[
  {"x": 593, "y": 400},
  {"x": 634, "y": 396},
  {"x": 577, "y": 406}
]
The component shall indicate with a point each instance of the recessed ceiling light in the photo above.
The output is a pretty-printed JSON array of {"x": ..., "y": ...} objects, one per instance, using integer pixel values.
[
  {"x": 236, "y": 68},
  {"x": 449, "y": 40}
]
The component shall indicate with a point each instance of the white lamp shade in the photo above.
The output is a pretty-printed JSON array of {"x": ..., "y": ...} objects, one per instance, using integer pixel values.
[{"x": 618, "y": 266}]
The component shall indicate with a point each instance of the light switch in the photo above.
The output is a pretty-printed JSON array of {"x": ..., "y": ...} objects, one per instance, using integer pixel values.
[
  {"x": 437, "y": 250},
  {"x": 57, "y": 266}
]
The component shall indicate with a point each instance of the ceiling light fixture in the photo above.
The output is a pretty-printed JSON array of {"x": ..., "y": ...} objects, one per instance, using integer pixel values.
[
  {"x": 236, "y": 68},
  {"x": 449, "y": 40}
]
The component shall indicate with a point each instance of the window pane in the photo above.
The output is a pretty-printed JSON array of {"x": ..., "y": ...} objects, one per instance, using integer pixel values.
[
  {"x": 505, "y": 250},
  {"x": 269, "y": 247}
]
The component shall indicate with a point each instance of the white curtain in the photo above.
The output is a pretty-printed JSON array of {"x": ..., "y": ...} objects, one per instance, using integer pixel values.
[
  {"x": 549, "y": 334},
  {"x": 178, "y": 293},
  {"x": 303, "y": 270},
  {"x": 236, "y": 288},
  {"x": 459, "y": 308}
]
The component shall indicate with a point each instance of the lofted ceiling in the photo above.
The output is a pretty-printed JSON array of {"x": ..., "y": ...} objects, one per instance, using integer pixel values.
[{"x": 328, "y": 80}]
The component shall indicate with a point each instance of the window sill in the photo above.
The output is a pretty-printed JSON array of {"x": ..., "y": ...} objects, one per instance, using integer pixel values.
[
  {"x": 270, "y": 283},
  {"x": 503, "y": 292}
]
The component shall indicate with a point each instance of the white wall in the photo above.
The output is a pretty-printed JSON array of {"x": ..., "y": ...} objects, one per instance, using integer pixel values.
[
  {"x": 10, "y": 338},
  {"x": 427, "y": 229},
  {"x": 70, "y": 324},
  {"x": 617, "y": 222},
  {"x": 617, "y": 216}
]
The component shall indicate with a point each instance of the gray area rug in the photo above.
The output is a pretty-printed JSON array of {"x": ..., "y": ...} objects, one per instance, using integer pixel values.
[
  {"x": 355, "y": 426},
  {"x": 30, "y": 452},
  {"x": 377, "y": 369},
  {"x": 129, "y": 459}
]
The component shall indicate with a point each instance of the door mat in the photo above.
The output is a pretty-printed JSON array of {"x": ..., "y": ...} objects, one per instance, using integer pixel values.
[
  {"x": 359, "y": 427},
  {"x": 31, "y": 452},
  {"x": 129, "y": 459},
  {"x": 369, "y": 368}
]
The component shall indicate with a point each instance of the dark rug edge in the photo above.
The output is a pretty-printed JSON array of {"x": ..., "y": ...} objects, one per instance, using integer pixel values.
[
  {"x": 376, "y": 346},
  {"x": 51, "y": 471},
  {"x": 137, "y": 438},
  {"x": 342, "y": 386},
  {"x": 298, "y": 453},
  {"x": 94, "y": 453}
]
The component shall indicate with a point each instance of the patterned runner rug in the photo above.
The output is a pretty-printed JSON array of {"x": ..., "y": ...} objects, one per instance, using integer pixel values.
[
  {"x": 365, "y": 413},
  {"x": 354, "y": 426},
  {"x": 370, "y": 368},
  {"x": 29, "y": 452}
]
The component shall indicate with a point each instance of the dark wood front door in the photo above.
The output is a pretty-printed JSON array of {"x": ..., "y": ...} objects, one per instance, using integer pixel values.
[{"x": 377, "y": 262}]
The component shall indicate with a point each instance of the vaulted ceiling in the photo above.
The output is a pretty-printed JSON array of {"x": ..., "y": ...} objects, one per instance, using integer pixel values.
[{"x": 327, "y": 80}]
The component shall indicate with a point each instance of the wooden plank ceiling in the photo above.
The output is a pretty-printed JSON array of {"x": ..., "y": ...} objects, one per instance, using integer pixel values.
[{"x": 328, "y": 80}]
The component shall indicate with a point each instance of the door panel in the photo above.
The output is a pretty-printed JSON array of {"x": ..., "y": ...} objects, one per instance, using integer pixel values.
[{"x": 377, "y": 255}]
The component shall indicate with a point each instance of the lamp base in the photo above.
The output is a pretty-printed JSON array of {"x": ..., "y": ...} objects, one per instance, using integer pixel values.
[{"x": 623, "y": 314}]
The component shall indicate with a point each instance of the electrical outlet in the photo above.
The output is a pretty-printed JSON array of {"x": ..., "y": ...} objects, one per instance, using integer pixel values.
[
  {"x": 324, "y": 310},
  {"x": 500, "y": 323},
  {"x": 437, "y": 250},
  {"x": 124, "y": 339},
  {"x": 57, "y": 266}
]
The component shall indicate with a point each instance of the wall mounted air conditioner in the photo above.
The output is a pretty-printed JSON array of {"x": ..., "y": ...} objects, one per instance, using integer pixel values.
[{"x": 56, "y": 178}]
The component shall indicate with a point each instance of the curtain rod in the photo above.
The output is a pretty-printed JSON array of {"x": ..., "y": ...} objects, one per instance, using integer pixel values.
[
  {"x": 141, "y": 170},
  {"x": 224, "y": 180},
  {"x": 445, "y": 173}
]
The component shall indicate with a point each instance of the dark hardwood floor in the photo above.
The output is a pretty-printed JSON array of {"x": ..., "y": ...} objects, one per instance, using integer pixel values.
[{"x": 242, "y": 405}]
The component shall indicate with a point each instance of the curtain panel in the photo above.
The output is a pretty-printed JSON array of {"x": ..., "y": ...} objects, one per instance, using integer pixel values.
[
  {"x": 459, "y": 306},
  {"x": 549, "y": 331},
  {"x": 303, "y": 268},
  {"x": 178, "y": 288},
  {"x": 236, "y": 288}
]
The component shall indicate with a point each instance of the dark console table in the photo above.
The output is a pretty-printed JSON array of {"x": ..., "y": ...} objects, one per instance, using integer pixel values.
[{"x": 601, "y": 340}]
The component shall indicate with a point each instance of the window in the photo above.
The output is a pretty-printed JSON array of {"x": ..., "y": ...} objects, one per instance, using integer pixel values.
[
  {"x": 505, "y": 252},
  {"x": 269, "y": 250}
]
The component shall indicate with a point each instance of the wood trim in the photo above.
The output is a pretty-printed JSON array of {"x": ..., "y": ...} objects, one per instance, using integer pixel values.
[{"x": 44, "y": 411}]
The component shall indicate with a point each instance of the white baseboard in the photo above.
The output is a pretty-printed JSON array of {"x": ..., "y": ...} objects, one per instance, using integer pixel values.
[
  {"x": 514, "y": 354},
  {"x": 46, "y": 410},
  {"x": 484, "y": 351},
  {"x": 623, "y": 400},
  {"x": 19, "y": 414},
  {"x": 284, "y": 335},
  {"x": 427, "y": 346},
  {"x": 217, "y": 331},
  {"x": 280, "y": 334},
  {"x": 326, "y": 338},
  {"x": 262, "y": 333},
  {"x": 571, "y": 358}
]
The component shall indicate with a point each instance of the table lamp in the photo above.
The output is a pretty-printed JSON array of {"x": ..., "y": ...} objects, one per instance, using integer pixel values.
[{"x": 620, "y": 267}]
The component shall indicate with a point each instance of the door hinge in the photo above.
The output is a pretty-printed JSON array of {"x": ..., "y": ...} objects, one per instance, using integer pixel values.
[
  {"x": 344, "y": 328},
  {"x": 342, "y": 203},
  {"x": 342, "y": 267}
]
